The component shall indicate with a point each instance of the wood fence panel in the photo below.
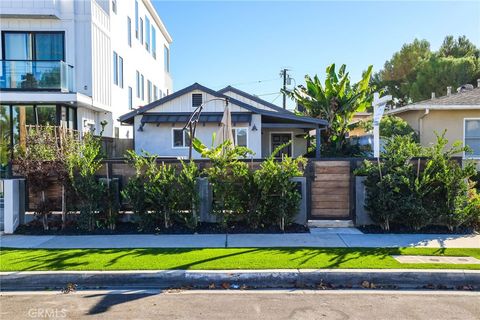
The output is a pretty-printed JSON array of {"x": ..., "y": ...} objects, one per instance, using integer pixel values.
[{"x": 331, "y": 190}]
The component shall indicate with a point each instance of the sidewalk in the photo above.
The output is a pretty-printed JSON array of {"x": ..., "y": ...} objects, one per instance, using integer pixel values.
[{"x": 319, "y": 237}]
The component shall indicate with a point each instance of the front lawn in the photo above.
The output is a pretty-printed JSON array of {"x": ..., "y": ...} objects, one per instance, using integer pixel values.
[{"x": 204, "y": 259}]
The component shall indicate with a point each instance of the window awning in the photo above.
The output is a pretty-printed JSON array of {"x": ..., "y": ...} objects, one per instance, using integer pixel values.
[{"x": 182, "y": 117}]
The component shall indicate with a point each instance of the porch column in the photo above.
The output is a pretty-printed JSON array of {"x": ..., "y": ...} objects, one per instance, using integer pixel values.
[{"x": 318, "y": 143}]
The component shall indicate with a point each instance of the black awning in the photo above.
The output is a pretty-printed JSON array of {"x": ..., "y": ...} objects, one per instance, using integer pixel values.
[{"x": 214, "y": 117}]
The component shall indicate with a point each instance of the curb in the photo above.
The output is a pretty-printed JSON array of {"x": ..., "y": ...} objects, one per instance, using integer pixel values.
[{"x": 290, "y": 278}]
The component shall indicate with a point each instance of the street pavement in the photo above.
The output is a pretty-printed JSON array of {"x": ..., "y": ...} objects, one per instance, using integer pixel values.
[
  {"x": 249, "y": 305},
  {"x": 318, "y": 237}
]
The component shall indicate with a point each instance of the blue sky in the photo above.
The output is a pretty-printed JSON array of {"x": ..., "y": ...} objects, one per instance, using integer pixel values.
[{"x": 241, "y": 43}]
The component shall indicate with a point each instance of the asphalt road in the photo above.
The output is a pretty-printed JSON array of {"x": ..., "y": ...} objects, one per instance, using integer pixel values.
[{"x": 234, "y": 305}]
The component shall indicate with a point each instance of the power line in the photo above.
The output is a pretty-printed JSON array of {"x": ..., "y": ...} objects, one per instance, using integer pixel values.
[
  {"x": 249, "y": 82},
  {"x": 276, "y": 98},
  {"x": 265, "y": 94}
]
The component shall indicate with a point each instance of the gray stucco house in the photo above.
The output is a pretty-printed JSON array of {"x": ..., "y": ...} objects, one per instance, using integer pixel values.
[{"x": 257, "y": 124}]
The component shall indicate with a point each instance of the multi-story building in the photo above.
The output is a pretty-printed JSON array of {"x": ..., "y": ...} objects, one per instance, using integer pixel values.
[{"x": 77, "y": 63}]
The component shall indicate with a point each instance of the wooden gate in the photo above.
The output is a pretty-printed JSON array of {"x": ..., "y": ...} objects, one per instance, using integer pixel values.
[{"x": 331, "y": 190}]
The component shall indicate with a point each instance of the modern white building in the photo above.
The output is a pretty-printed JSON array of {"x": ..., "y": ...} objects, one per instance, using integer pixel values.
[{"x": 76, "y": 63}]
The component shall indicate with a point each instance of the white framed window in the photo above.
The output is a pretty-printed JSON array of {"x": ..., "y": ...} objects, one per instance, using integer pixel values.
[
  {"x": 180, "y": 138},
  {"x": 240, "y": 136},
  {"x": 471, "y": 137}
]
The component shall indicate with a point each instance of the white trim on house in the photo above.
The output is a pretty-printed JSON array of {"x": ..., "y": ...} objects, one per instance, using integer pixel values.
[
  {"x": 475, "y": 157},
  {"x": 184, "y": 140},
  {"x": 291, "y": 133},
  {"x": 419, "y": 107}
]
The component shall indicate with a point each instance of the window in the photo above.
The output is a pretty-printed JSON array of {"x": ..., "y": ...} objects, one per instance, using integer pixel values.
[
  {"x": 142, "y": 86},
  {"x": 181, "y": 138},
  {"x": 149, "y": 91},
  {"x": 138, "y": 84},
  {"x": 197, "y": 99},
  {"x": 147, "y": 33},
  {"x": 130, "y": 98},
  {"x": 155, "y": 93},
  {"x": 240, "y": 136},
  {"x": 33, "y": 46},
  {"x": 114, "y": 6},
  {"x": 472, "y": 137},
  {"x": 166, "y": 57},
  {"x": 120, "y": 72},
  {"x": 141, "y": 30},
  {"x": 154, "y": 43},
  {"x": 129, "y": 31},
  {"x": 136, "y": 19},
  {"x": 115, "y": 68}
]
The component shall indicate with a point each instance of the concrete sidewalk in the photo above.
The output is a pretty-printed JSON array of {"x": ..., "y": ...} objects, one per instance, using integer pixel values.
[{"x": 318, "y": 237}]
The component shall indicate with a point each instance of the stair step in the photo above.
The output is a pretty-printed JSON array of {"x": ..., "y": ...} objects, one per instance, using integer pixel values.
[{"x": 330, "y": 224}]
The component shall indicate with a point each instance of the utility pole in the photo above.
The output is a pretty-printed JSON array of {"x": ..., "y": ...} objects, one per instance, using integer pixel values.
[{"x": 283, "y": 74}]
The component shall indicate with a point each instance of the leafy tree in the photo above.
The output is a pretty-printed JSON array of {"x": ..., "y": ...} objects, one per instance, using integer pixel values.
[
  {"x": 414, "y": 72},
  {"x": 391, "y": 126},
  {"x": 398, "y": 72},
  {"x": 459, "y": 48},
  {"x": 437, "y": 73},
  {"x": 337, "y": 100}
]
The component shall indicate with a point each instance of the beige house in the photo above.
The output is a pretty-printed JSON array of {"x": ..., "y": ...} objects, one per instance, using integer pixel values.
[{"x": 459, "y": 113}]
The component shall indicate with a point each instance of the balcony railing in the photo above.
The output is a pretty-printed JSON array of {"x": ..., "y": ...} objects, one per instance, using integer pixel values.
[{"x": 36, "y": 75}]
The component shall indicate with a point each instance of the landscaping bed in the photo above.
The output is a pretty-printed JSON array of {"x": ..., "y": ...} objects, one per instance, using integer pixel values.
[
  {"x": 36, "y": 228},
  {"x": 223, "y": 259}
]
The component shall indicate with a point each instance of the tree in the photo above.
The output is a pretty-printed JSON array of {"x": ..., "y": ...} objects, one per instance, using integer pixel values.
[
  {"x": 391, "y": 126},
  {"x": 459, "y": 48},
  {"x": 337, "y": 100},
  {"x": 398, "y": 72},
  {"x": 437, "y": 73},
  {"x": 414, "y": 72}
]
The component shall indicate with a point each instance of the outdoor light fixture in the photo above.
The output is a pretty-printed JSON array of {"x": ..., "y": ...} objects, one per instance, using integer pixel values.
[{"x": 254, "y": 128}]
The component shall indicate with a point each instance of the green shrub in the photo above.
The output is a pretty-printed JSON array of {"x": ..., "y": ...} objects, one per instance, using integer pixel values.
[
  {"x": 279, "y": 198},
  {"x": 228, "y": 176},
  {"x": 187, "y": 197},
  {"x": 400, "y": 191}
]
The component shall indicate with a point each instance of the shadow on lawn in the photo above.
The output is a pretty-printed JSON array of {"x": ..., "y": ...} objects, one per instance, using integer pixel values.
[{"x": 333, "y": 257}]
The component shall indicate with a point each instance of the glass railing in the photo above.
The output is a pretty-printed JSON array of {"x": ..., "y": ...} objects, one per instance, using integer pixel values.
[{"x": 36, "y": 75}]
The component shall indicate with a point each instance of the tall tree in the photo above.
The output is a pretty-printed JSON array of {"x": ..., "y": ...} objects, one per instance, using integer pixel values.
[
  {"x": 399, "y": 72},
  {"x": 414, "y": 72},
  {"x": 459, "y": 48},
  {"x": 336, "y": 101}
]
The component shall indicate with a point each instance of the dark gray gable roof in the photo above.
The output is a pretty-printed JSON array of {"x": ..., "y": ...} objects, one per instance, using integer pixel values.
[
  {"x": 128, "y": 117},
  {"x": 253, "y": 98}
]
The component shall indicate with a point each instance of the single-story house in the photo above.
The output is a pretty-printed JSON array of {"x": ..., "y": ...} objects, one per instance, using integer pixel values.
[
  {"x": 459, "y": 113},
  {"x": 257, "y": 124}
]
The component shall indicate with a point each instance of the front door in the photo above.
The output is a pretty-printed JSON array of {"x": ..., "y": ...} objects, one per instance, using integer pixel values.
[{"x": 281, "y": 138}]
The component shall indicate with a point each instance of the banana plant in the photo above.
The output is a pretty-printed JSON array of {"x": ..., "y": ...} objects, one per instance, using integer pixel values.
[{"x": 336, "y": 100}]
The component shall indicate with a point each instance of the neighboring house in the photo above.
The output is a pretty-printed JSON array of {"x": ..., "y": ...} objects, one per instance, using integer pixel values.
[
  {"x": 258, "y": 124},
  {"x": 78, "y": 63},
  {"x": 459, "y": 113}
]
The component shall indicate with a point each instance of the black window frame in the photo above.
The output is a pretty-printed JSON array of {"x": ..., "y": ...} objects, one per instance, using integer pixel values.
[{"x": 33, "y": 43}]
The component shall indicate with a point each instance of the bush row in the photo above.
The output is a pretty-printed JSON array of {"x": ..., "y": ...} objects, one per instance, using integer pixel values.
[
  {"x": 163, "y": 196},
  {"x": 415, "y": 193}
]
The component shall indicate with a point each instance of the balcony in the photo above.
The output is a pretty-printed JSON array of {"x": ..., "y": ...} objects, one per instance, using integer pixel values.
[{"x": 28, "y": 75}]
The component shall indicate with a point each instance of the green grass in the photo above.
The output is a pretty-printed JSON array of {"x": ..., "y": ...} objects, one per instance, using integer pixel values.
[{"x": 245, "y": 258}]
